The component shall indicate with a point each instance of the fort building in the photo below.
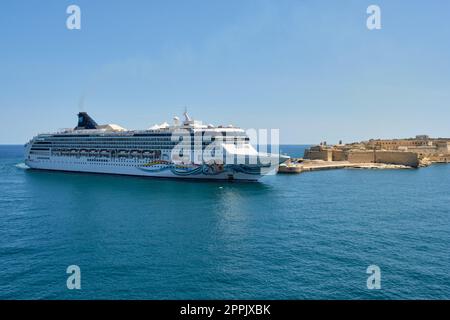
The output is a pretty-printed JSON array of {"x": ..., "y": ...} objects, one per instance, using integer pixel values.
[{"x": 412, "y": 152}]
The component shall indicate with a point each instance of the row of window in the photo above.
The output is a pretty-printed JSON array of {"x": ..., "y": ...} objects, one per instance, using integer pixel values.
[
  {"x": 128, "y": 144},
  {"x": 139, "y": 140},
  {"x": 99, "y": 163}
]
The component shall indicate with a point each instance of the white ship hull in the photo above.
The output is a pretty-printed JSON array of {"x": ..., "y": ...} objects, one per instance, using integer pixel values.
[{"x": 141, "y": 171}]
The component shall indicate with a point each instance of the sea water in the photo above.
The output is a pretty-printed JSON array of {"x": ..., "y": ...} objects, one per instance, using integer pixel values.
[{"x": 307, "y": 236}]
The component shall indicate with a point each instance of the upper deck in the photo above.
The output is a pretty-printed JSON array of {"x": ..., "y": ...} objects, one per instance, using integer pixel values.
[{"x": 88, "y": 134}]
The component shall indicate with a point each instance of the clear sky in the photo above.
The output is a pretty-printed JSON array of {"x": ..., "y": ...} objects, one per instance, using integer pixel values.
[{"x": 310, "y": 68}]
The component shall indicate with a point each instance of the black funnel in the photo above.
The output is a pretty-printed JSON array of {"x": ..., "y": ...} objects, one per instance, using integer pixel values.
[{"x": 85, "y": 122}]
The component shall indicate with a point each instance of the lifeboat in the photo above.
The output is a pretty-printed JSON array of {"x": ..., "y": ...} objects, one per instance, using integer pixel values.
[
  {"x": 148, "y": 153},
  {"x": 122, "y": 153}
]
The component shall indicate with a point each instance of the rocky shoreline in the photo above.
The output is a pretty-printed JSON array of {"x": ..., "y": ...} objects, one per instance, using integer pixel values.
[{"x": 298, "y": 165}]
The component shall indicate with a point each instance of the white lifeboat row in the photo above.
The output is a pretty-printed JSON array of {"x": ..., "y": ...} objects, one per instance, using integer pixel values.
[{"x": 106, "y": 153}]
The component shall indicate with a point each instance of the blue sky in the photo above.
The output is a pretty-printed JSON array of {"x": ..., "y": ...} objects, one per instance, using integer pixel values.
[{"x": 310, "y": 68}]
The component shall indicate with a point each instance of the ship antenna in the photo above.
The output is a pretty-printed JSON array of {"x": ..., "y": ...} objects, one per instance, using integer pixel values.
[{"x": 186, "y": 114}]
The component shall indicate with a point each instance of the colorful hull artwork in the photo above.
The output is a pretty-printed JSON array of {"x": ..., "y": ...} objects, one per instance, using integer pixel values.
[{"x": 197, "y": 169}]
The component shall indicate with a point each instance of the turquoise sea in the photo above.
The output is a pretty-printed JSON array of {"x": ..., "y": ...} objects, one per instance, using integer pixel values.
[{"x": 308, "y": 236}]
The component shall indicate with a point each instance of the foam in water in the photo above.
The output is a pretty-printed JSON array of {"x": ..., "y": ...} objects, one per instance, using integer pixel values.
[{"x": 22, "y": 166}]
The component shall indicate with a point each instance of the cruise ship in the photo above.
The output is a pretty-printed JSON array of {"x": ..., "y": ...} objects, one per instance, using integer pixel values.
[{"x": 186, "y": 149}]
